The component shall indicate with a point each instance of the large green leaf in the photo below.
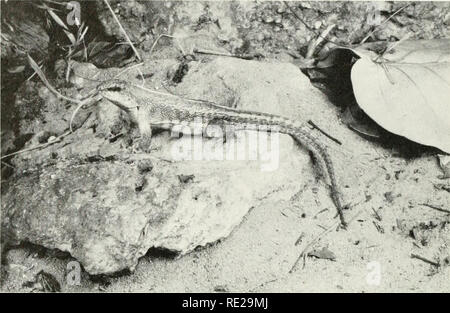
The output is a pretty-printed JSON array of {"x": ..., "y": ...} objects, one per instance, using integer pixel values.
[{"x": 408, "y": 93}]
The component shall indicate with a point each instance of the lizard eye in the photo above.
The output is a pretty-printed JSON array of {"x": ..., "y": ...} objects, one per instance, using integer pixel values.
[{"x": 116, "y": 86}]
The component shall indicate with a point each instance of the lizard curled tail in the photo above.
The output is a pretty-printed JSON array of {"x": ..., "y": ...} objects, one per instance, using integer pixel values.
[{"x": 300, "y": 133}]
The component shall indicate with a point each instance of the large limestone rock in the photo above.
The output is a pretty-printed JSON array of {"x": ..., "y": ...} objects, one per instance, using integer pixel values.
[{"x": 106, "y": 205}]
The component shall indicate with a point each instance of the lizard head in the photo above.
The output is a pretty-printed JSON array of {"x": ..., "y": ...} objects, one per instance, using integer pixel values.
[{"x": 119, "y": 93}]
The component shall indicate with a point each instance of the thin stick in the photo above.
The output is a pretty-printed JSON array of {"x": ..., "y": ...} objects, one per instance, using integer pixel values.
[
  {"x": 415, "y": 256},
  {"x": 168, "y": 36},
  {"x": 316, "y": 239},
  {"x": 36, "y": 69},
  {"x": 54, "y": 2},
  {"x": 300, "y": 19},
  {"x": 68, "y": 66},
  {"x": 127, "y": 69},
  {"x": 395, "y": 44},
  {"x": 57, "y": 139},
  {"x": 384, "y": 22},
  {"x": 32, "y": 75},
  {"x": 203, "y": 51},
  {"x": 321, "y": 211},
  {"x": 312, "y": 48},
  {"x": 435, "y": 207},
  {"x": 323, "y": 132},
  {"x": 312, "y": 242},
  {"x": 123, "y": 30},
  {"x": 299, "y": 239},
  {"x": 377, "y": 216},
  {"x": 309, "y": 27},
  {"x": 226, "y": 54},
  {"x": 142, "y": 76},
  {"x": 157, "y": 92},
  {"x": 8, "y": 165},
  {"x": 44, "y": 145}
]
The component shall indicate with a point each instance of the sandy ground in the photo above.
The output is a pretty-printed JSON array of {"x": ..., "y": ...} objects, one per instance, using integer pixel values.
[
  {"x": 258, "y": 255},
  {"x": 388, "y": 223}
]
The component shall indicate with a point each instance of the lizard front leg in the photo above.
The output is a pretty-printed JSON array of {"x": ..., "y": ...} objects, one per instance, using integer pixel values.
[{"x": 144, "y": 127}]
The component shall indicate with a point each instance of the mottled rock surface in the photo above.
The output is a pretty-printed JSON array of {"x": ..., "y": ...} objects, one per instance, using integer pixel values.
[{"x": 107, "y": 205}]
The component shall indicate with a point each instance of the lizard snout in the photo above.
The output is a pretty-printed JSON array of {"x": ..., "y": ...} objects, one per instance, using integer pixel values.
[{"x": 123, "y": 99}]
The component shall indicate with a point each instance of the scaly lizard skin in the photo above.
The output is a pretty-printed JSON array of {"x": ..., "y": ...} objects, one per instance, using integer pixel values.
[{"x": 149, "y": 109}]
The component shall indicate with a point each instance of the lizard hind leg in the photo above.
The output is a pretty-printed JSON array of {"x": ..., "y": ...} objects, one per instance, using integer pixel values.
[
  {"x": 217, "y": 128},
  {"x": 325, "y": 166},
  {"x": 335, "y": 192},
  {"x": 319, "y": 167},
  {"x": 144, "y": 141}
]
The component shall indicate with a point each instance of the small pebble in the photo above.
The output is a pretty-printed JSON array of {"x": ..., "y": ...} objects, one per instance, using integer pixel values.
[
  {"x": 447, "y": 19},
  {"x": 221, "y": 288},
  {"x": 246, "y": 24},
  {"x": 260, "y": 37},
  {"x": 51, "y": 138},
  {"x": 281, "y": 9},
  {"x": 268, "y": 19},
  {"x": 305, "y": 5},
  {"x": 144, "y": 166},
  {"x": 286, "y": 24},
  {"x": 389, "y": 197}
]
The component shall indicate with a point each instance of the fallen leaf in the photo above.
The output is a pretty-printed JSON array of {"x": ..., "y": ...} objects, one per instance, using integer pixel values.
[
  {"x": 16, "y": 69},
  {"x": 56, "y": 18},
  {"x": 44, "y": 281},
  {"x": 389, "y": 197},
  {"x": 221, "y": 288},
  {"x": 365, "y": 127},
  {"x": 185, "y": 178},
  {"x": 406, "y": 91},
  {"x": 324, "y": 253}
]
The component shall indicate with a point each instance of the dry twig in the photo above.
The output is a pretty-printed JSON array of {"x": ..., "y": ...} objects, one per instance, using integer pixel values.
[
  {"x": 384, "y": 22},
  {"x": 123, "y": 30},
  {"x": 323, "y": 132},
  {"x": 415, "y": 256},
  {"x": 435, "y": 207}
]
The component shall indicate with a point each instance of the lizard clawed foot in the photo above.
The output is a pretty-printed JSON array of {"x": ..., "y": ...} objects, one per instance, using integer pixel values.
[{"x": 144, "y": 143}]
